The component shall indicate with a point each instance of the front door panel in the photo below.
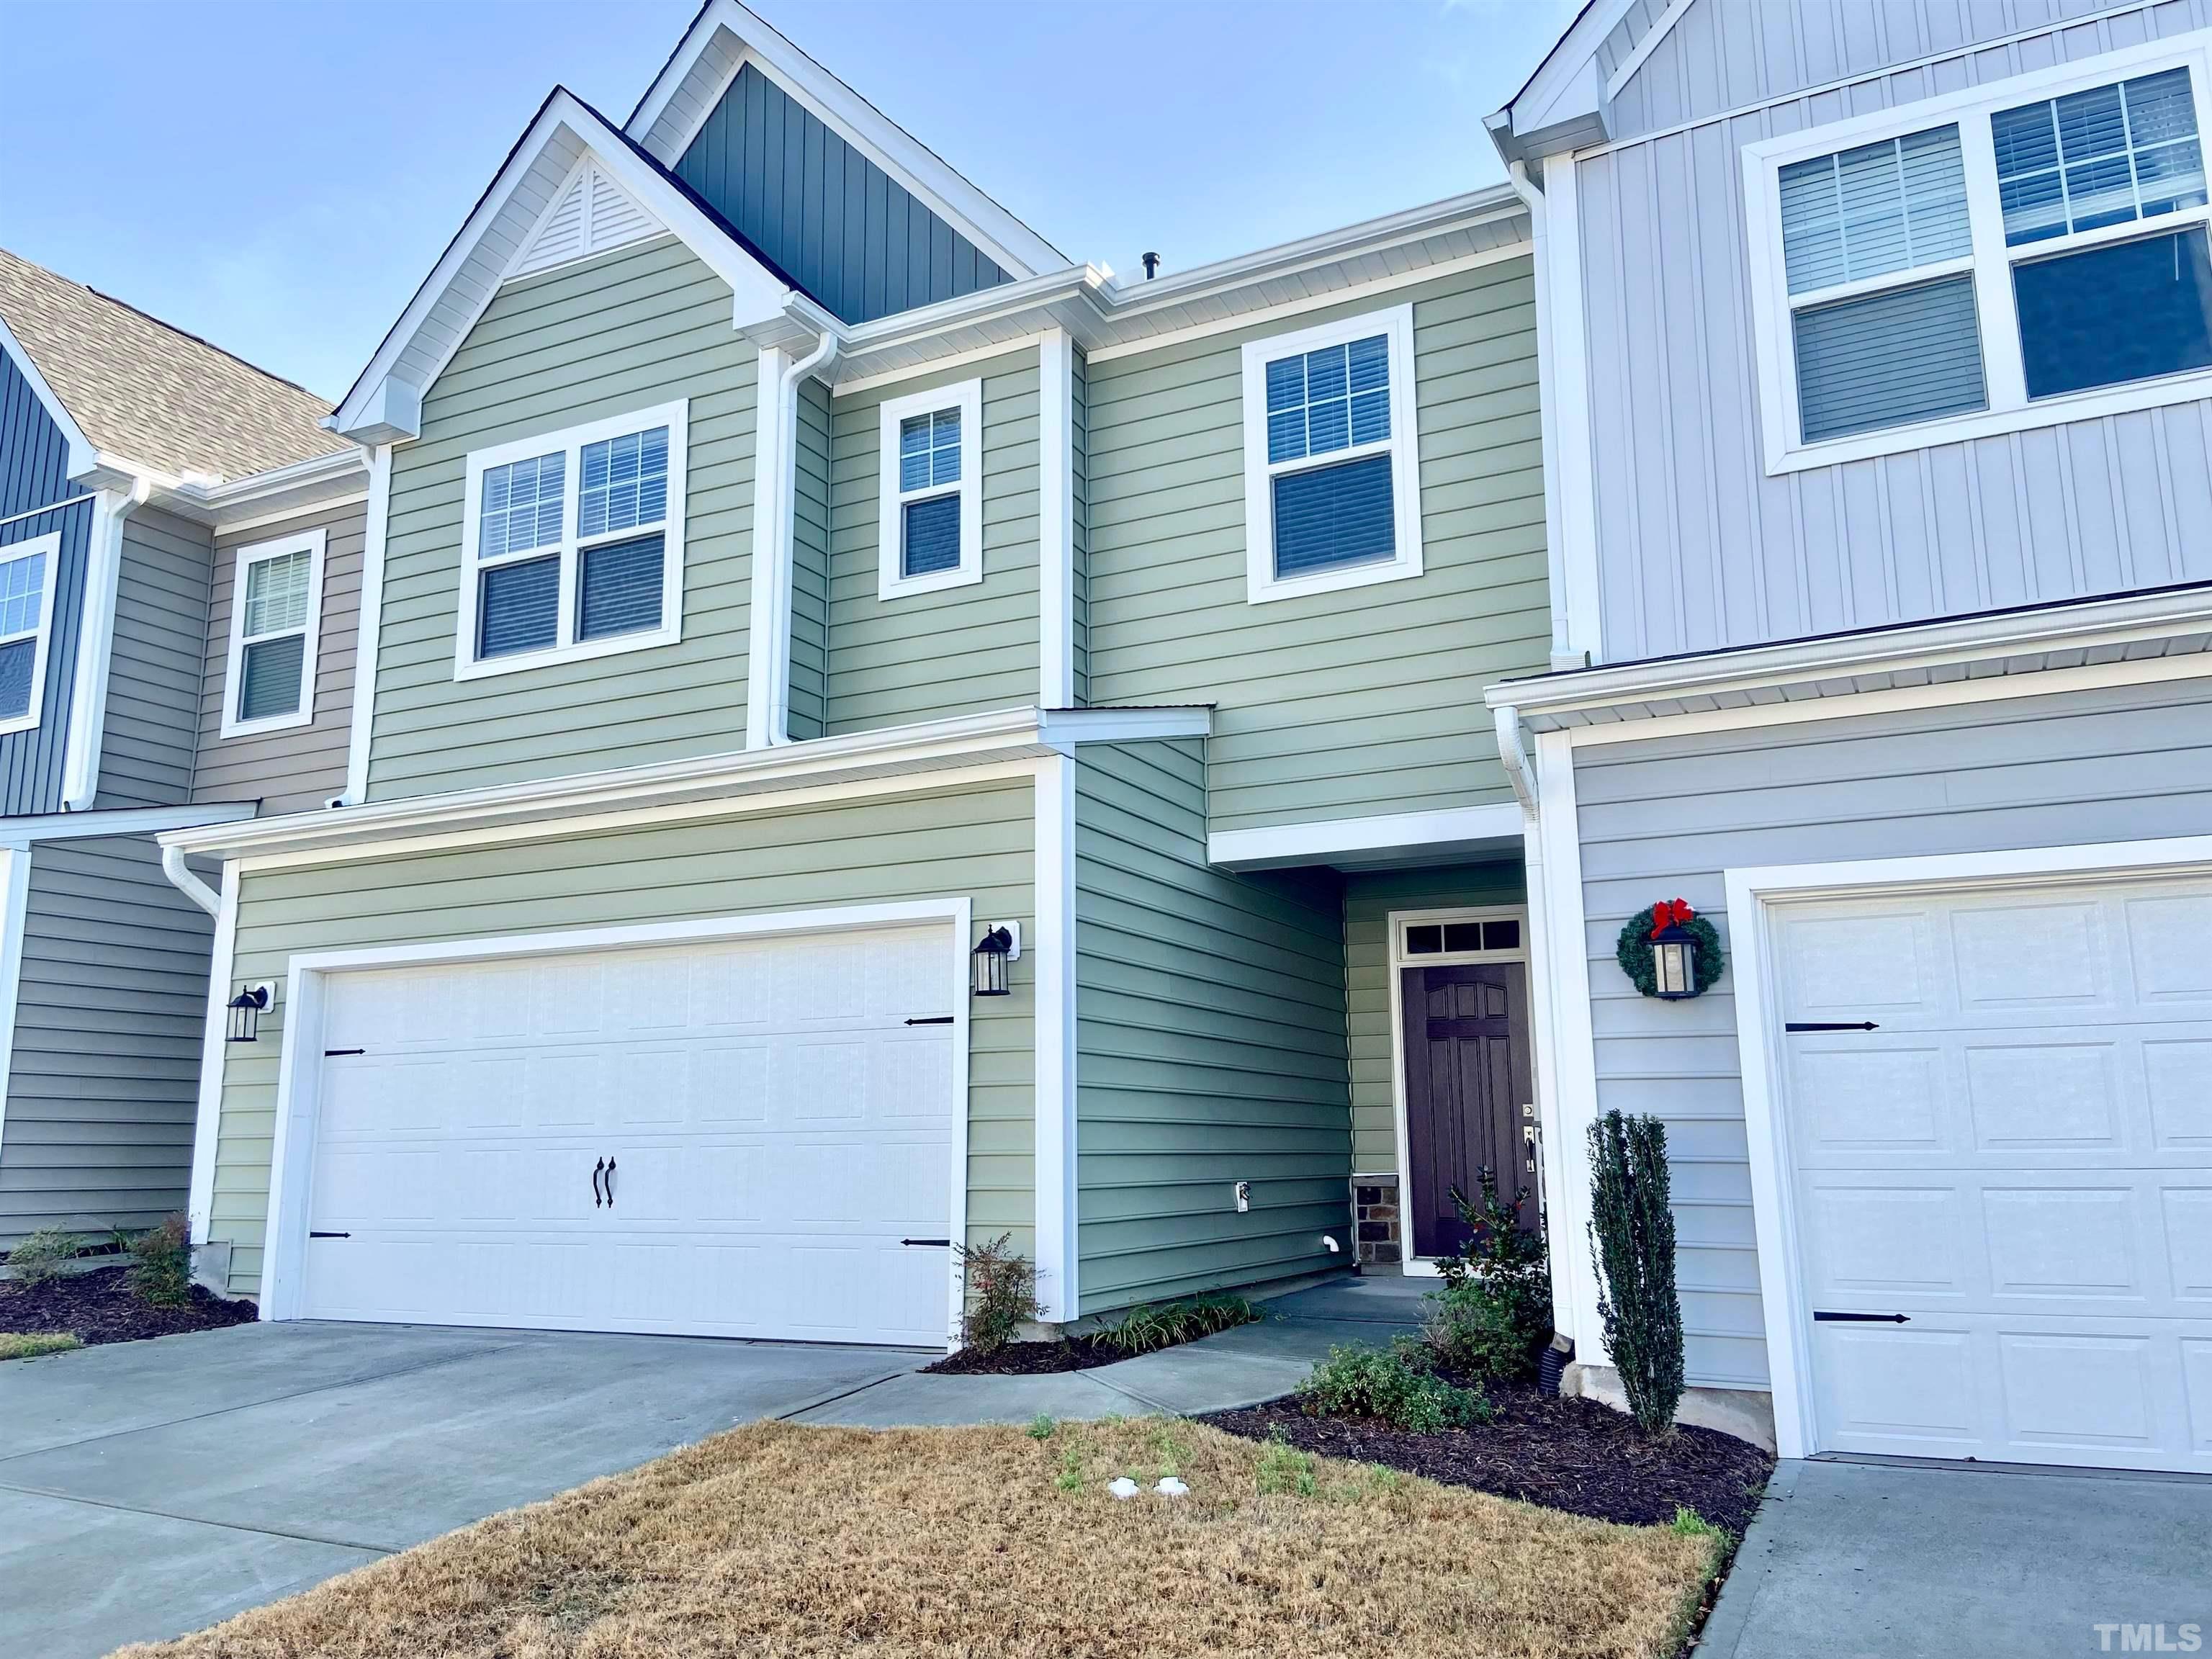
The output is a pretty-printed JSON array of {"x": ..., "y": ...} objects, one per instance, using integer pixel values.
[{"x": 1467, "y": 1076}]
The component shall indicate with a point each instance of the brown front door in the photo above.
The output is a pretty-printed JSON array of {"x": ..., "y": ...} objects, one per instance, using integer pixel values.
[{"x": 1467, "y": 1078}]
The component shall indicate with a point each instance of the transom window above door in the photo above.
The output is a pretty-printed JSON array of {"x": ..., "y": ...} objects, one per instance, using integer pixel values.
[
  {"x": 276, "y": 615},
  {"x": 574, "y": 544},
  {"x": 26, "y": 614},
  {"x": 930, "y": 467},
  {"x": 1331, "y": 481},
  {"x": 2020, "y": 254}
]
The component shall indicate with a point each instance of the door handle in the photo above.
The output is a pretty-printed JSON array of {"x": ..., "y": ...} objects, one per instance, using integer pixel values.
[
  {"x": 596, "y": 1168},
  {"x": 610, "y": 1183},
  {"x": 1826, "y": 1318}
]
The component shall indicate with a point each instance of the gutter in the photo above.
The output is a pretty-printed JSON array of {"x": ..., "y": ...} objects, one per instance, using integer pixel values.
[
  {"x": 180, "y": 877},
  {"x": 773, "y": 727},
  {"x": 95, "y": 638}
]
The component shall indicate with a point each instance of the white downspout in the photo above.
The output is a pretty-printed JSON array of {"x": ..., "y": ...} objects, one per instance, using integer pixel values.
[
  {"x": 181, "y": 878},
  {"x": 96, "y": 637},
  {"x": 1514, "y": 755},
  {"x": 767, "y": 676},
  {"x": 787, "y": 534}
]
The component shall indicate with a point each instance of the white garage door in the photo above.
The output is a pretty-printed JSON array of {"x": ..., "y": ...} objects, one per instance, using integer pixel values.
[
  {"x": 2017, "y": 1161},
  {"x": 729, "y": 1140}
]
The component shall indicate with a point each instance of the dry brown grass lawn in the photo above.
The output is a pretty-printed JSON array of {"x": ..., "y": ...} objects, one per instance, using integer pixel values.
[{"x": 780, "y": 1540}]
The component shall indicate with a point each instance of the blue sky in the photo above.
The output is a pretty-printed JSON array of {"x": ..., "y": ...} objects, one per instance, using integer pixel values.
[{"x": 279, "y": 177}]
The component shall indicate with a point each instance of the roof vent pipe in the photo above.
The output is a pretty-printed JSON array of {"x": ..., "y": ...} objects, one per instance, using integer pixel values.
[{"x": 1151, "y": 265}]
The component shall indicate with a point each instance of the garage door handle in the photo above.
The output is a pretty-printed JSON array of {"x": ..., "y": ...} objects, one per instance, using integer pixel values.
[
  {"x": 932, "y": 1019},
  {"x": 332, "y": 1054},
  {"x": 939, "y": 1244},
  {"x": 1861, "y": 1319},
  {"x": 1831, "y": 1025},
  {"x": 610, "y": 1183},
  {"x": 596, "y": 1168},
  {"x": 312, "y": 1234}
]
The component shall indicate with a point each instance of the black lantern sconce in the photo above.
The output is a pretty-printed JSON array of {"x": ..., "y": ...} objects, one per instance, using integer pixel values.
[
  {"x": 1675, "y": 959},
  {"x": 246, "y": 1011},
  {"x": 1001, "y": 943}
]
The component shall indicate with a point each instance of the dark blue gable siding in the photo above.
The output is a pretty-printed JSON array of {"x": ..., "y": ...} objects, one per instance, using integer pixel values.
[
  {"x": 855, "y": 239},
  {"x": 33, "y": 472}
]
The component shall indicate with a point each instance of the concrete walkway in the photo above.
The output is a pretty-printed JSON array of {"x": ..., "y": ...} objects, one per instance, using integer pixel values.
[{"x": 1888, "y": 1560}]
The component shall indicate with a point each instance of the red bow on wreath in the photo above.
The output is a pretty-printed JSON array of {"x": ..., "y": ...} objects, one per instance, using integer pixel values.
[{"x": 1671, "y": 913}]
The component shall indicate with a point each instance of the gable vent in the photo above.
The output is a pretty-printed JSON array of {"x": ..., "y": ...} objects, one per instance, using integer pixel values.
[{"x": 594, "y": 214}]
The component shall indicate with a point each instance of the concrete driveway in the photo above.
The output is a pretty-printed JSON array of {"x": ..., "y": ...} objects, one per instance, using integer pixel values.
[
  {"x": 1891, "y": 1560},
  {"x": 151, "y": 1488}
]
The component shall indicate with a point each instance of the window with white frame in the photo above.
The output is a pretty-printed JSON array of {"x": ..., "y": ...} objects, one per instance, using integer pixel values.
[
  {"x": 27, "y": 619},
  {"x": 1332, "y": 493},
  {"x": 931, "y": 526},
  {"x": 2030, "y": 252},
  {"x": 276, "y": 615},
  {"x": 573, "y": 545}
]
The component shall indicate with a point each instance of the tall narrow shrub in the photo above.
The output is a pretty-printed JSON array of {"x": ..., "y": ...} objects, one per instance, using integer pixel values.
[{"x": 1633, "y": 1231}]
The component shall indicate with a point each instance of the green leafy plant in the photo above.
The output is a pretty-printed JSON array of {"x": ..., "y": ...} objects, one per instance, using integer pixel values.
[
  {"x": 1395, "y": 1384},
  {"x": 1041, "y": 1427},
  {"x": 1001, "y": 1293},
  {"x": 1070, "y": 1478},
  {"x": 162, "y": 1263},
  {"x": 1146, "y": 1328},
  {"x": 1688, "y": 1523},
  {"x": 1493, "y": 1314},
  {"x": 44, "y": 1255},
  {"x": 1632, "y": 1231},
  {"x": 1284, "y": 1469},
  {"x": 18, "y": 1346}
]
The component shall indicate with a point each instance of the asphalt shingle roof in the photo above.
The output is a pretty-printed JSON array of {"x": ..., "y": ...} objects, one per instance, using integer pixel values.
[{"x": 152, "y": 393}]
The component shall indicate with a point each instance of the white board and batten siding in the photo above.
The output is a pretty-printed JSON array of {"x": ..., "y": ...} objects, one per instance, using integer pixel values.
[{"x": 1697, "y": 547}]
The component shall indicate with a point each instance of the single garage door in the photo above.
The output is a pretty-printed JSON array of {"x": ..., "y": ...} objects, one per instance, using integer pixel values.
[
  {"x": 2003, "y": 1191},
  {"x": 748, "y": 1137}
]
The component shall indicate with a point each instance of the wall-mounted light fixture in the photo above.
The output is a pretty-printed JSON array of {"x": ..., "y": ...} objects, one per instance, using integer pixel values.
[
  {"x": 1675, "y": 959},
  {"x": 246, "y": 1009},
  {"x": 1001, "y": 943}
]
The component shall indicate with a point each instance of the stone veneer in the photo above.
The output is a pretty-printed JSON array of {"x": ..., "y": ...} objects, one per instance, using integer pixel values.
[{"x": 1374, "y": 1221}]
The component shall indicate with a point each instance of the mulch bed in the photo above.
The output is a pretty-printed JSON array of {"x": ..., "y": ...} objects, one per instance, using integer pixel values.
[
  {"x": 1573, "y": 1454},
  {"x": 1081, "y": 1353},
  {"x": 98, "y": 1307}
]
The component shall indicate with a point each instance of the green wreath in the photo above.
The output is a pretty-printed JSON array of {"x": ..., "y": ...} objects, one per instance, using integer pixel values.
[{"x": 1633, "y": 952}]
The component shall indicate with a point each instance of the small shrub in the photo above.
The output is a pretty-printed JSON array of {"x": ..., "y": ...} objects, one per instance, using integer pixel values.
[
  {"x": 1001, "y": 1293},
  {"x": 1283, "y": 1469},
  {"x": 162, "y": 1264},
  {"x": 43, "y": 1256},
  {"x": 1633, "y": 1231},
  {"x": 1145, "y": 1329},
  {"x": 1395, "y": 1384},
  {"x": 1494, "y": 1314},
  {"x": 15, "y": 1346},
  {"x": 1688, "y": 1523},
  {"x": 1040, "y": 1427}
]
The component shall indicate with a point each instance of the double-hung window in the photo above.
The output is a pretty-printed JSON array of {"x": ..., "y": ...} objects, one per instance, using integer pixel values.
[
  {"x": 275, "y": 614},
  {"x": 930, "y": 530},
  {"x": 2026, "y": 252},
  {"x": 573, "y": 544},
  {"x": 27, "y": 619},
  {"x": 1332, "y": 490}
]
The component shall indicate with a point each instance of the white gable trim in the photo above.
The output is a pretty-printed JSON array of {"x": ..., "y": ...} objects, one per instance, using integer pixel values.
[
  {"x": 82, "y": 455},
  {"x": 1565, "y": 82},
  {"x": 384, "y": 406},
  {"x": 1618, "y": 80},
  {"x": 687, "y": 89},
  {"x": 591, "y": 213}
]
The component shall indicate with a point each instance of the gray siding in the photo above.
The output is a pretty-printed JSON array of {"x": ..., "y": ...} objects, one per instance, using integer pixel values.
[
  {"x": 103, "y": 1081},
  {"x": 957, "y": 649},
  {"x": 35, "y": 471},
  {"x": 298, "y": 769},
  {"x": 1337, "y": 705},
  {"x": 977, "y": 843},
  {"x": 1370, "y": 897},
  {"x": 154, "y": 665},
  {"x": 1671, "y": 815},
  {"x": 1697, "y": 548},
  {"x": 853, "y": 238},
  {"x": 1210, "y": 1045},
  {"x": 810, "y": 565},
  {"x": 630, "y": 330},
  {"x": 1078, "y": 485}
]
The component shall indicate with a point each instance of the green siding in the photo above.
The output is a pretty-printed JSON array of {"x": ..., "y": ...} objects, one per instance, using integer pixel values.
[
  {"x": 1078, "y": 368},
  {"x": 643, "y": 326},
  {"x": 1344, "y": 704},
  {"x": 1210, "y": 1045},
  {"x": 1369, "y": 899},
  {"x": 957, "y": 649},
  {"x": 809, "y": 563},
  {"x": 977, "y": 843}
]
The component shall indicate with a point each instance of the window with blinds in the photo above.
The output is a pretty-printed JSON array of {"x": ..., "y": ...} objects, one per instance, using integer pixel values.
[
  {"x": 25, "y": 606},
  {"x": 930, "y": 466},
  {"x": 275, "y": 601}
]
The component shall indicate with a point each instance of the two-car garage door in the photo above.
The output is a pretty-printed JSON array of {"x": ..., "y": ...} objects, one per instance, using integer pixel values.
[
  {"x": 750, "y": 1136},
  {"x": 2002, "y": 1193}
]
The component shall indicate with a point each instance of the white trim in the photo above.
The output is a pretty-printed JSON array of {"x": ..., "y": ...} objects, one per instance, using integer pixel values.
[
  {"x": 95, "y": 641},
  {"x": 15, "y": 905},
  {"x": 1398, "y": 960},
  {"x": 370, "y": 628},
  {"x": 1011, "y": 347},
  {"x": 1055, "y": 521},
  {"x": 569, "y": 549},
  {"x": 117, "y": 821},
  {"x": 299, "y": 1061},
  {"x": 1063, "y": 728},
  {"x": 49, "y": 546},
  {"x": 1752, "y": 893},
  {"x": 1579, "y": 630},
  {"x": 891, "y": 582},
  {"x": 51, "y": 507},
  {"x": 1373, "y": 840},
  {"x": 1625, "y": 71},
  {"x": 1261, "y": 584},
  {"x": 583, "y": 178},
  {"x": 2008, "y": 407},
  {"x": 83, "y": 453},
  {"x": 1059, "y": 1288},
  {"x": 322, "y": 510},
  {"x": 762, "y": 624},
  {"x": 313, "y": 543},
  {"x": 207, "y": 1123}
]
